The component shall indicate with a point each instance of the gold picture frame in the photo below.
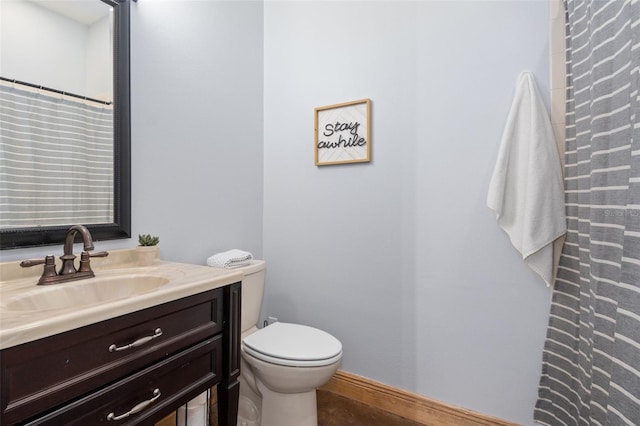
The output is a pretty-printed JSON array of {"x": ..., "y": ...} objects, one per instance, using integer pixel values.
[{"x": 343, "y": 133}]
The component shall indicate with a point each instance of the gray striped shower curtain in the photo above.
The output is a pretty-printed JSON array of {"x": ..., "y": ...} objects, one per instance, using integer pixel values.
[
  {"x": 591, "y": 359},
  {"x": 56, "y": 160}
]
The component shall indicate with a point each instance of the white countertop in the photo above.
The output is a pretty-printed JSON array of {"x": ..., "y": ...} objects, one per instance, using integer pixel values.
[{"x": 21, "y": 326}]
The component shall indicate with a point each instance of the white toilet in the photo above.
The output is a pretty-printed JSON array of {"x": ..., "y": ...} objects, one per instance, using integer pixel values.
[{"x": 283, "y": 363}]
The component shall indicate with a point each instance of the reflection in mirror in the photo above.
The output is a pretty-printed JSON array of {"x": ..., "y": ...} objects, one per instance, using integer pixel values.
[{"x": 64, "y": 110}]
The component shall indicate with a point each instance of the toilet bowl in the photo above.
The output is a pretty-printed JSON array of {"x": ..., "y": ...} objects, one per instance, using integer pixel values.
[
  {"x": 282, "y": 364},
  {"x": 287, "y": 362}
]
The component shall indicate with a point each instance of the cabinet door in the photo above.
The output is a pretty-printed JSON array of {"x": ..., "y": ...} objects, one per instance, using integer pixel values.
[{"x": 146, "y": 396}]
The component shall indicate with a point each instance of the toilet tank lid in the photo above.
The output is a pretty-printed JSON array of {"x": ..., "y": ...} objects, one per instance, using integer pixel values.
[
  {"x": 294, "y": 342},
  {"x": 252, "y": 268}
]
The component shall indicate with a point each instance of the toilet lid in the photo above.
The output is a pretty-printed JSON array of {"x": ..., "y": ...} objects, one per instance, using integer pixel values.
[{"x": 293, "y": 345}]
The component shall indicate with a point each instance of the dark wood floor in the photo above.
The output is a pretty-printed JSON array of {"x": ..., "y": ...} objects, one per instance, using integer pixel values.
[{"x": 336, "y": 410}]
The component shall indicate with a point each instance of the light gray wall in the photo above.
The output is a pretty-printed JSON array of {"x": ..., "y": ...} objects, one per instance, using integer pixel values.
[
  {"x": 53, "y": 56},
  {"x": 196, "y": 78},
  {"x": 99, "y": 59},
  {"x": 400, "y": 258}
]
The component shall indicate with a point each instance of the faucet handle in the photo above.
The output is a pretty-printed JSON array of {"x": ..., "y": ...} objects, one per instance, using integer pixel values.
[
  {"x": 98, "y": 254},
  {"x": 33, "y": 262},
  {"x": 85, "y": 256},
  {"x": 49, "y": 268}
]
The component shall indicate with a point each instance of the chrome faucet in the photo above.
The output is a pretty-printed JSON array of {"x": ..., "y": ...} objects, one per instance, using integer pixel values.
[{"x": 68, "y": 271}]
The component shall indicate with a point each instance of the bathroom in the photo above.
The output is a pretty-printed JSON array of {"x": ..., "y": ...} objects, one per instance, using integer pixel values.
[{"x": 399, "y": 258}]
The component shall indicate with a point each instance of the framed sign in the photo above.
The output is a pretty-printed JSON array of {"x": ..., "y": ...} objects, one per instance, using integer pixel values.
[{"x": 343, "y": 133}]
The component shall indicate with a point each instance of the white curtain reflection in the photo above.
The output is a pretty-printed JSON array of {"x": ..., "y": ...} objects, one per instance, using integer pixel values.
[{"x": 56, "y": 160}]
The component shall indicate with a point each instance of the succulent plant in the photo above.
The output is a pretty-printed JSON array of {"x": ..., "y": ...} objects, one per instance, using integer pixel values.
[{"x": 148, "y": 240}]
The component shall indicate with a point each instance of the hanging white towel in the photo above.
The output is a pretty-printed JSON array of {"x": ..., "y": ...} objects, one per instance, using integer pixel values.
[
  {"x": 526, "y": 190},
  {"x": 230, "y": 259}
]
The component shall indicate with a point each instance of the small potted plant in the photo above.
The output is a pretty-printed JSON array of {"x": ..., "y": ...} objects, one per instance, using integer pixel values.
[{"x": 147, "y": 249}]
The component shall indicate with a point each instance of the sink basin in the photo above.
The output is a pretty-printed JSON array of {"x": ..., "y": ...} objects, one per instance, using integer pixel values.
[{"x": 85, "y": 292}]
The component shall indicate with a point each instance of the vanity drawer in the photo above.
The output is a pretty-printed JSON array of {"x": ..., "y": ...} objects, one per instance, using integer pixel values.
[
  {"x": 171, "y": 382},
  {"x": 43, "y": 374}
]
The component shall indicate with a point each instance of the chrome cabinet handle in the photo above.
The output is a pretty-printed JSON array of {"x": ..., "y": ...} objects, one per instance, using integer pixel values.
[
  {"x": 141, "y": 341},
  {"x": 137, "y": 408}
]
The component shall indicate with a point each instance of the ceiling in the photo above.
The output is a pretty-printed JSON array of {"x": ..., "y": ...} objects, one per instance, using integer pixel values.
[{"x": 84, "y": 11}]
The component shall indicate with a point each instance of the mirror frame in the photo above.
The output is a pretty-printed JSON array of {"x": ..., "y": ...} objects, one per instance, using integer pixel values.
[{"x": 121, "y": 226}]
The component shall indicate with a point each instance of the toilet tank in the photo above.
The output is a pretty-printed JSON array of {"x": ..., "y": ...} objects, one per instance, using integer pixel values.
[{"x": 252, "y": 292}]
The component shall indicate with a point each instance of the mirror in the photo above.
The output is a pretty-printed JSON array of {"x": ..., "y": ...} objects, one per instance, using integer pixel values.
[{"x": 33, "y": 224}]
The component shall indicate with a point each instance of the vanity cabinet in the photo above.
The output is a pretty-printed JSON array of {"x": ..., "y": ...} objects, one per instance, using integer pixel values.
[{"x": 155, "y": 360}]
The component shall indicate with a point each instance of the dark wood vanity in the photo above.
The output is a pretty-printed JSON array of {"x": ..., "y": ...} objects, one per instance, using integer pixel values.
[{"x": 146, "y": 363}]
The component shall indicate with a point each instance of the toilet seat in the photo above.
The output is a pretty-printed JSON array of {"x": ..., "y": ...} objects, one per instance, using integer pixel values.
[{"x": 293, "y": 345}]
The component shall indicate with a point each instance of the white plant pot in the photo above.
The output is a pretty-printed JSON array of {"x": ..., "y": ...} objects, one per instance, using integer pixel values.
[{"x": 147, "y": 255}]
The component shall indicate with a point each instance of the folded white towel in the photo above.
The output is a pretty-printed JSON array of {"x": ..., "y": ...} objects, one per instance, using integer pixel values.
[
  {"x": 230, "y": 259},
  {"x": 526, "y": 190}
]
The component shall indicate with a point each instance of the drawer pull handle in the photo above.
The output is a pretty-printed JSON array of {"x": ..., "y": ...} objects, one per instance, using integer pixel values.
[
  {"x": 136, "y": 409},
  {"x": 141, "y": 341}
]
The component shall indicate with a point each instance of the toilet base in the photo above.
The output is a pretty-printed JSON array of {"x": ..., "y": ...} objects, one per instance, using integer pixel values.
[
  {"x": 288, "y": 409},
  {"x": 286, "y": 394},
  {"x": 247, "y": 392}
]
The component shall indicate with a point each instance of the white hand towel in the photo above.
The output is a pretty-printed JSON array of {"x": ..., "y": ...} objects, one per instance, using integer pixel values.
[
  {"x": 230, "y": 259},
  {"x": 526, "y": 190}
]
